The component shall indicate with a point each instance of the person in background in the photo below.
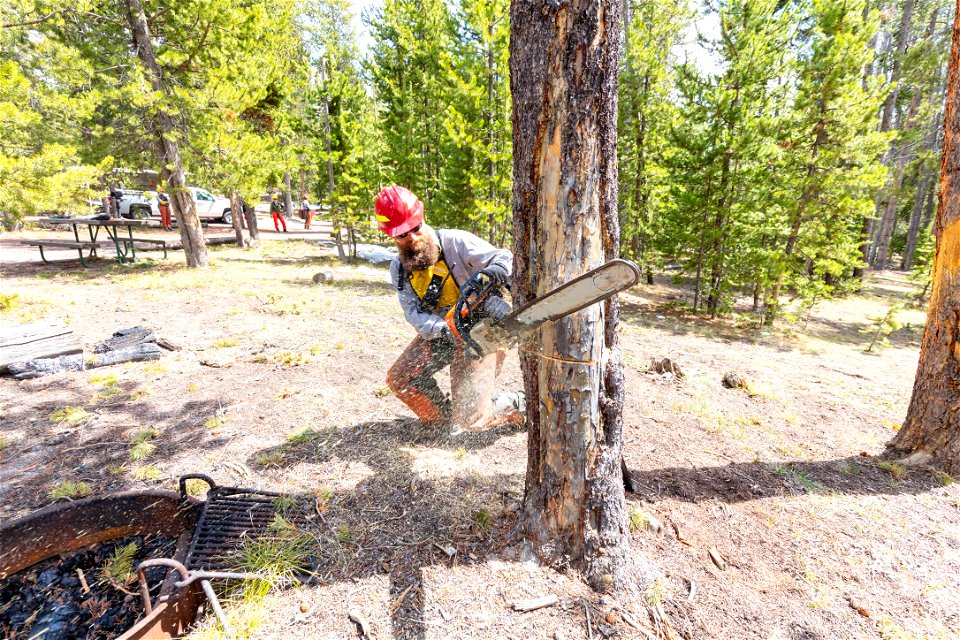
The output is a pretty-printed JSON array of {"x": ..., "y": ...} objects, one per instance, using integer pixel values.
[
  {"x": 276, "y": 212},
  {"x": 163, "y": 203},
  {"x": 305, "y": 211}
]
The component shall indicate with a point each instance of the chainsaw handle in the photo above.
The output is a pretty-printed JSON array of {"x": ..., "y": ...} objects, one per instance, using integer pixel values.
[{"x": 470, "y": 346}]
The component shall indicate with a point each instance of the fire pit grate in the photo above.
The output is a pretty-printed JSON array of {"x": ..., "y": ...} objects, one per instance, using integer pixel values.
[{"x": 229, "y": 517}]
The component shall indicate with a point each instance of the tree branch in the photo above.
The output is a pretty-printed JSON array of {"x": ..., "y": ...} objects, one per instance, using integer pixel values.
[
  {"x": 28, "y": 23},
  {"x": 186, "y": 63}
]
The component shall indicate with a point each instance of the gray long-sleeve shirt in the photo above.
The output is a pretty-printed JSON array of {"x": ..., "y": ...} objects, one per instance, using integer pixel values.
[{"x": 465, "y": 255}]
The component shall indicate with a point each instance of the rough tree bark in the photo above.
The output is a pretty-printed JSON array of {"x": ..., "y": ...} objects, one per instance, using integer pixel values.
[
  {"x": 191, "y": 234},
  {"x": 931, "y": 430},
  {"x": 881, "y": 244},
  {"x": 237, "y": 210},
  {"x": 563, "y": 76}
]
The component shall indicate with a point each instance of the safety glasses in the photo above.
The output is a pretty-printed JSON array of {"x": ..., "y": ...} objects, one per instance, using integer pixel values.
[{"x": 416, "y": 229}]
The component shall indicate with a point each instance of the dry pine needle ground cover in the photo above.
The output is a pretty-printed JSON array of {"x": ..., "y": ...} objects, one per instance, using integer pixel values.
[{"x": 768, "y": 508}]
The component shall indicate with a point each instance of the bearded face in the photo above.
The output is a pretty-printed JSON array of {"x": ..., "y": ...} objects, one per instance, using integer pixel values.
[{"x": 418, "y": 252}]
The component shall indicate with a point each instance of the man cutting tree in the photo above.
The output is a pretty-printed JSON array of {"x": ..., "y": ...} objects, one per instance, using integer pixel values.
[{"x": 431, "y": 267}]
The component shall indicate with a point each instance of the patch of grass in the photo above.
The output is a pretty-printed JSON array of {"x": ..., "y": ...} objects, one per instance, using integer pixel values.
[
  {"x": 303, "y": 436},
  {"x": 482, "y": 521},
  {"x": 216, "y": 421},
  {"x": 655, "y": 595},
  {"x": 142, "y": 445},
  {"x": 283, "y": 504},
  {"x": 104, "y": 379},
  {"x": 260, "y": 359},
  {"x": 141, "y": 450},
  {"x": 637, "y": 520},
  {"x": 323, "y": 496},
  {"x": 942, "y": 477},
  {"x": 282, "y": 527},
  {"x": 223, "y": 343},
  {"x": 8, "y": 301},
  {"x": 68, "y": 489},
  {"x": 154, "y": 368},
  {"x": 272, "y": 459},
  {"x": 344, "y": 534},
  {"x": 196, "y": 487},
  {"x": 896, "y": 471},
  {"x": 118, "y": 569},
  {"x": 460, "y": 453},
  {"x": 106, "y": 393},
  {"x": 757, "y": 389},
  {"x": 4, "y": 442},
  {"x": 889, "y": 424},
  {"x": 291, "y": 359},
  {"x": 851, "y": 468},
  {"x": 193, "y": 387},
  {"x": 70, "y": 416},
  {"x": 315, "y": 349},
  {"x": 140, "y": 392},
  {"x": 890, "y": 630},
  {"x": 146, "y": 472},
  {"x": 282, "y": 306},
  {"x": 800, "y": 478}
]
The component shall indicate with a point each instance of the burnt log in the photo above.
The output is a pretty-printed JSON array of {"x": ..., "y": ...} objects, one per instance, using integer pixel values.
[
  {"x": 48, "y": 366},
  {"x": 126, "y": 338},
  {"x": 44, "y": 339}
]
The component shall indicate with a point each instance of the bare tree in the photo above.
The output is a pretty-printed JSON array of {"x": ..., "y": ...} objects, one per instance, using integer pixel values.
[{"x": 563, "y": 70}]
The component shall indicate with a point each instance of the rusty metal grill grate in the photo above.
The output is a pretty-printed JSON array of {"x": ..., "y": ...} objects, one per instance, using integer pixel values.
[{"x": 228, "y": 518}]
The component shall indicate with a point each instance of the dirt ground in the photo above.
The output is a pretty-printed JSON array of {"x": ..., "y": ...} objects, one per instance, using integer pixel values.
[{"x": 784, "y": 481}]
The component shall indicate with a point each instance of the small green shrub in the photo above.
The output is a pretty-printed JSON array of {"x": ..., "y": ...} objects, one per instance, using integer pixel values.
[
  {"x": 70, "y": 416},
  {"x": 70, "y": 490}
]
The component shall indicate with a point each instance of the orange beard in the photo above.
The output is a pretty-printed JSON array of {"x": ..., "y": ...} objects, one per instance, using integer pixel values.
[{"x": 419, "y": 254}]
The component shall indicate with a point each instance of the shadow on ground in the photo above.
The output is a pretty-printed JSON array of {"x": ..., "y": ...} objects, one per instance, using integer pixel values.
[{"x": 397, "y": 521}]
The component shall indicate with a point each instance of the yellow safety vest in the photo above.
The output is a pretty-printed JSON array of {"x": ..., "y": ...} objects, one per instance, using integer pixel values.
[{"x": 440, "y": 274}]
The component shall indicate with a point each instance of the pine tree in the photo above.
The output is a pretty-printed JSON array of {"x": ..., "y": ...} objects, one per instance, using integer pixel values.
[
  {"x": 726, "y": 203},
  {"x": 477, "y": 174},
  {"x": 646, "y": 115},
  {"x": 830, "y": 163},
  {"x": 409, "y": 55}
]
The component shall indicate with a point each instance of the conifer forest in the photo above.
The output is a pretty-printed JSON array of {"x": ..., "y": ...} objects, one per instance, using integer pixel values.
[{"x": 803, "y": 151}]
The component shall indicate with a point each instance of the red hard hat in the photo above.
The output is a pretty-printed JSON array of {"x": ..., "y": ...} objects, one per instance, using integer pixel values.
[{"x": 398, "y": 210}]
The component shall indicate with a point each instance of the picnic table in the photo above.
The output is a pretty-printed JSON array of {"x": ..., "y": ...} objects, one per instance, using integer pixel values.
[{"x": 112, "y": 227}]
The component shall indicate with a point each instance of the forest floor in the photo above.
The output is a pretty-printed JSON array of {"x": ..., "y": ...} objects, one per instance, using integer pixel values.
[{"x": 280, "y": 384}]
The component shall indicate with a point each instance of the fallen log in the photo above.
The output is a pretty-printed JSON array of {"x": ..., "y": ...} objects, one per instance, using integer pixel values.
[
  {"x": 44, "y": 339},
  {"x": 126, "y": 338},
  {"x": 47, "y": 366}
]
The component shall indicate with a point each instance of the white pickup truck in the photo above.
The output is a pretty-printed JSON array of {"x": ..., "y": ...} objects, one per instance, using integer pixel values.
[{"x": 143, "y": 204}]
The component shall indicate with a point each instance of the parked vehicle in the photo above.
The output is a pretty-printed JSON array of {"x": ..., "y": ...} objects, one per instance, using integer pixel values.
[{"x": 143, "y": 204}]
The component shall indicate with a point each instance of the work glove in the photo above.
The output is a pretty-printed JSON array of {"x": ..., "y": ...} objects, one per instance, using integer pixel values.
[{"x": 496, "y": 272}]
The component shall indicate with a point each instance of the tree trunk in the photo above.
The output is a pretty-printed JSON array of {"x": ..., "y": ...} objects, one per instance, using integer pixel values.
[
  {"x": 931, "y": 430},
  {"x": 191, "y": 234},
  {"x": 252, "y": 228},
  {"x": 237, "y": 212},
  {"x": 563, "y": 76},
  {"x": 287, "y": 199},
  {"x": 887, "y": 219},
  {"x": 922, "y": 185}
]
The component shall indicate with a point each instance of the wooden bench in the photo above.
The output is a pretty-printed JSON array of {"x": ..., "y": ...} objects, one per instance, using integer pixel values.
[{"x": 64, "y": 244}]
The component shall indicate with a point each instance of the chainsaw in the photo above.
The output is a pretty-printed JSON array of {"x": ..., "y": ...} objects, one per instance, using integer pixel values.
[{"x": 484, "y": 322}]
